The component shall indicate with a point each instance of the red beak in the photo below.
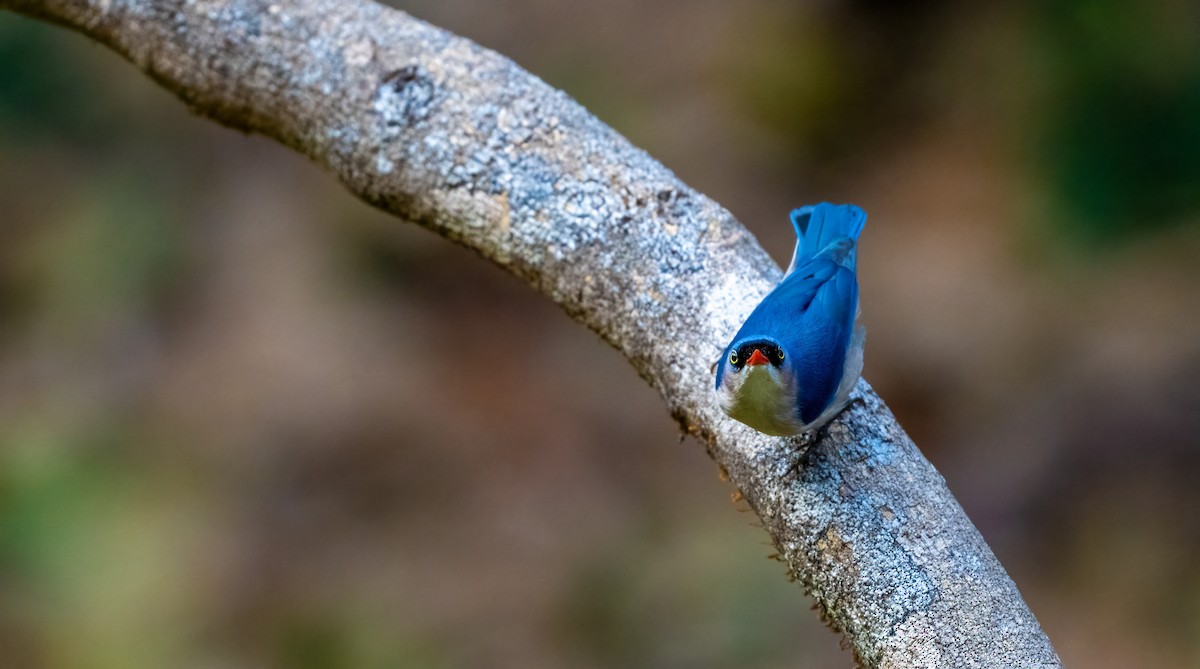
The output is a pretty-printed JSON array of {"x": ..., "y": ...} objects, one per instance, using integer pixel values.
[{"x": 757, "y": 358}]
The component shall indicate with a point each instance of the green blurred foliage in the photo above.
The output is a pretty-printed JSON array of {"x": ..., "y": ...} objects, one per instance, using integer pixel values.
[
  {"x": 46, "y": 92},
  {"x": 1121, "y": 136},
  {"x": 794, "y": 78},
  {"x": 832, "y": 81},
  {"x": 115, "y": 247},
  {"x": 341, "y": 638},
  {"x": 645, "y": 605},
  {"x": 89, "y": 547}
]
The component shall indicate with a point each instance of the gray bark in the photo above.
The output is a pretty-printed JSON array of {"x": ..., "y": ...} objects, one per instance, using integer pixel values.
[{"x": 442, "y": 132}]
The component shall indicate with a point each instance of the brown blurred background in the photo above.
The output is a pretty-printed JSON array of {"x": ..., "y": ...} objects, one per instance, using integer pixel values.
[{"x": 247, "y": 421}]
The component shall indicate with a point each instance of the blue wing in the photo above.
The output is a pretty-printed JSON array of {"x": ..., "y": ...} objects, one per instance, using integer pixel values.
[{"x": 822, "y": 341}]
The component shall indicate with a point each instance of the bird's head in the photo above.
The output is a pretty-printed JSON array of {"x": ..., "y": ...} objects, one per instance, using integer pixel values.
[
  {"x": 758, "y": 356},
  {"x": 756, "y": 386}
]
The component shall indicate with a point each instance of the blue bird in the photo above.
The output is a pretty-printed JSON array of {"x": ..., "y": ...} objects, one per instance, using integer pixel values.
[{"x": 792, "y": 365}]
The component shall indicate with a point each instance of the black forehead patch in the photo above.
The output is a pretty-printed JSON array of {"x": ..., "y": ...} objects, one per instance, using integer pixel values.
[{"x": 769, "y": 349}]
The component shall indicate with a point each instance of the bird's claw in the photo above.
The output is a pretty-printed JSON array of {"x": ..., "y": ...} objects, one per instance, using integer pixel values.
[{"x": 803, "y": 452}]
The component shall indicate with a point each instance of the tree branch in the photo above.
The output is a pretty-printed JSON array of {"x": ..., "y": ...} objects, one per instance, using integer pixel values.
[{"x": 440, "y": 131}]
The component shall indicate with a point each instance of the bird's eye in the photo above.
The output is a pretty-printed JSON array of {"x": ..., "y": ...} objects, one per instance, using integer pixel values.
[
  {"x": 780, "y": 353},
  {"x": 733, "y": 358}
]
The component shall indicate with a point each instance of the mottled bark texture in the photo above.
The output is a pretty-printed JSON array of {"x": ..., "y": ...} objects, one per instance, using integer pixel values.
[{"x": 440, "y": 131}]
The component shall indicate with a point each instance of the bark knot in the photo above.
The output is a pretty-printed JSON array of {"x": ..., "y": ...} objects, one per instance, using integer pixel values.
[{"x": 405, "y": 96}]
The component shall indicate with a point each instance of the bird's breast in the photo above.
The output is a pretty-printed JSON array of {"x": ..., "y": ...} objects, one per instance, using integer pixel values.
[{"x": 765, "y": 402}]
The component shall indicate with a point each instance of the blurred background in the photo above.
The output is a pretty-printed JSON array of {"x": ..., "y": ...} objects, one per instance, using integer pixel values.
[{"x": 214, "y": 451}]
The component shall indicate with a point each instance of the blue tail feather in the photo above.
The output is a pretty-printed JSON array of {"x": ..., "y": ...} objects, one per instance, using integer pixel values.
[{"x": 818, "y": 226}]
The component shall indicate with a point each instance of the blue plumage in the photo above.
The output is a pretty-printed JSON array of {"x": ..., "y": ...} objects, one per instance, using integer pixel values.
[{"x": 791, "y": 366}]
